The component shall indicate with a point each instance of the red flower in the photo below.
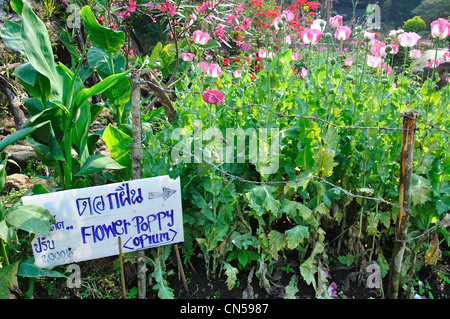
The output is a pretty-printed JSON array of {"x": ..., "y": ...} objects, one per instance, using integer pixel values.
[
  {"x": 212, "y": 96},
  {"x": 313, "y": 5}
]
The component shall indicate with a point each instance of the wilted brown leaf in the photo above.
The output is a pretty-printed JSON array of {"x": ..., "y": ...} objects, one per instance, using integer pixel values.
[{"x": 433, "y": 252}]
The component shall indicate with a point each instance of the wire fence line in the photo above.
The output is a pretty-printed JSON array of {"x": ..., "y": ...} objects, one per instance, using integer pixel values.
[
  {"x": 298, "y": 180},
  {"x": 321, "y": 179},
  {"x": 313, "y": 118},
  {"x": 312, "y": 176}
]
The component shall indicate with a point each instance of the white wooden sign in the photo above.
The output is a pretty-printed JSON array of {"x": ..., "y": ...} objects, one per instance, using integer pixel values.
[{"x": 145, "y": 213}]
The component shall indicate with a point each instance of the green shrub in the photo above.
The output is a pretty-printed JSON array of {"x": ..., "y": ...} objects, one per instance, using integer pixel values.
[
  {"x": 431, "y": 10},
  {"x": 415, "y": 24}
]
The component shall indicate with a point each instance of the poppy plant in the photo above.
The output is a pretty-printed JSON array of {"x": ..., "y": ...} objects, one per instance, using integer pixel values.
[
  {"x": 446, "y": 56},
  {"x": 408, "y": 39},
  {"x": 433, "y": 64},
  {"x": 212, "y": 96},
  {"x": 214, "y": 70},
  {"x": 311, "y": 36},
  {"x": 336, "y": 21},
  {"x": 374, "y": 61},
  {"x": 379, "y": 49},
  {"x": 440, "y": 29},
  {"x": 343, "y": 33},
  {"x": 187, "y": 56}
]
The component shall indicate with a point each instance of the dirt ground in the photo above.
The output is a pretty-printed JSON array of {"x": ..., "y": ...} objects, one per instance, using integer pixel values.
[{"x": 101, "y": 280}]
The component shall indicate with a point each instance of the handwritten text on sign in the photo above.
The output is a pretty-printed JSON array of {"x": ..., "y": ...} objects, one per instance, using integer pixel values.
[{"x": 144, "y": 213}]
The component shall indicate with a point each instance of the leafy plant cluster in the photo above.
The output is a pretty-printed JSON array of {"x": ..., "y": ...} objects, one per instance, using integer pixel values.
[{"x": 334, "y": 166}]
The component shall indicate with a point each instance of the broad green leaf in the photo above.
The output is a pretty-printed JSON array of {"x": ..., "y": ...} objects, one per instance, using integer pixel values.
[
  {"x": 102, "y": 2},
  {"x": 10, "y": 34},
  {"x": 295, "y": 236},
  {"x": 36, "y": 84},
  {"x": 231, "y": 273},
  {"x": 38, "y": 49},
  {"x": 26, "y": 73},
  {"x": 109, "y": 40},
  {"x": 4, "y": 230},
  {"x": 243, "y": 258},
  {"x": 98, "y": 163},
  {"x": 295, "y": 209},
  {"x": 20, "y": 134},
  {"x": 119, "y": 144},
  {"x": 262, "y": 201},
  {"x": 98, "y": 88},
  {"x": 199, "y": 201},
  {"x": 212, "y": 44},
  {"x": 347, "y": 260},
  {"x": 52, "y": 117},
  {"x": 164, "y": 291},
  {"x": 28, "y": 269},
  {"x": 155, "y": 53},
  {"x": 100, "y": 60},
  {"x": 8, "y": 279},
  {"x": 420, "y": 190},
  {"x": 324, "y": 161},
  {"x": 31, "y": 218},
  {"x": 308, "y": 268},
  {"x": 17, "y": 5}
]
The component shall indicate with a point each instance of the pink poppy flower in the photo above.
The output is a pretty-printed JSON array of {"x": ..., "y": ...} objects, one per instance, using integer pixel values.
[
  {"x": 379, "y": 49},
  {"x": 214, "y": 70},
  {"x": 212, "y": 96},
  {"x": 408, "y": 39},
  {"x": 446, "y": 56},
  {"x": 187, "y": 56},
  {"x": 201, "y": 37},
  {"x": 262, "y": 53},
  {"x": 203, "y": 66},
  {"x": 237, "y": 73},
  {"x": 343, "y": 33},
  {"x": 336, "y": 21},
  {"x": 371, "y": 36},
  {"x": 348, "y": 62},
  {"x": 440, "y": 29},
  {"x": 395, "y": 48},
  {"x": 387, "y": 68},
  {"x": 374, "y": 61},
  {"x": 433, "y": 64},
  {"x": 304, "y": 73},
  {"x": 311, "y": 36}
]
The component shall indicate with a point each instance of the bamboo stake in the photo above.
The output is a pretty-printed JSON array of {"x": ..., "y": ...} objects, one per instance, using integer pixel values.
[
  {"x": 136, "y": 167},
  {"x": 180, "y": 269},
  {"x": 122, "y": 275},
  {"x": 406, "y": 168}
]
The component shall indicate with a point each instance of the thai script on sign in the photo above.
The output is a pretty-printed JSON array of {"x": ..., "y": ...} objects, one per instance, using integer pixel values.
[{"x": 121, "y": 197}]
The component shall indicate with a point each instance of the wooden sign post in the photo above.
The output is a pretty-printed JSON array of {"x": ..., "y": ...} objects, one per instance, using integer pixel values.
[
  {"x": 404, "y": 202},
  {"x": 145, "y": 213}
]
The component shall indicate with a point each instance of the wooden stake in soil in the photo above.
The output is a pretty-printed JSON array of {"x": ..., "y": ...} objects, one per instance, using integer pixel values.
[
  {"x": 122, "y": 275},
  {"x": 136, "y": 167},
  {"x": 401, "y": 234}
]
